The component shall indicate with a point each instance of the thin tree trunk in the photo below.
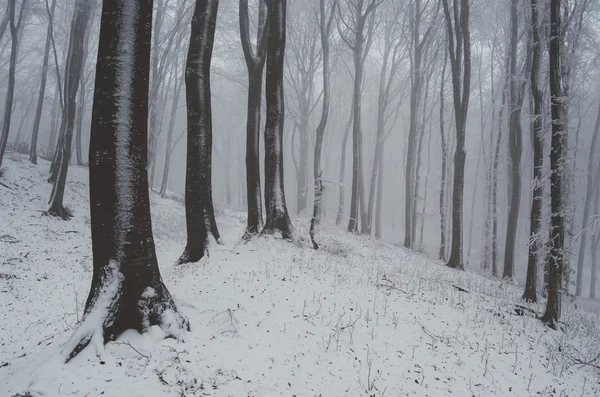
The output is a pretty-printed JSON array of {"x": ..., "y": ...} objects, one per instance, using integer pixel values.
[
  {"x": 40, "y": 103},
  {"x": 325, "y": 28},
  {"x": 442, "y": 253},
  {"x": 8, "y": 102},
  {"x": 340, "y": 211},
  {"x": 73, "y": 71}
]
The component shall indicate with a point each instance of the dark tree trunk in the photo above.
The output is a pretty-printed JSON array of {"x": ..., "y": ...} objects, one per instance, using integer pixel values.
[
  {"x": 277, "y": 218},
  {"x": 40, "y": 103},
  {"x": 255, "y": 64},
  {"x": 73, "y": 69},
  {"x": 50, "y": 148},
  {"x": 556, "y": 257},
  {"x": 356, "y": 129},
  {"x": 459, "y": 47},
  {"x": 325, "y": 28},
  {"x": 340, "y": 212},
  {"x": 199, "y": 212},
  {"x": 530, "y": 293},
  {"x": 10, "y": 91},
  {"x": 127, "y": 290},
  {"x": 517, "y": 93},
  {"x": 443, "y": 221},
  {"x": 79, "y": 123}
]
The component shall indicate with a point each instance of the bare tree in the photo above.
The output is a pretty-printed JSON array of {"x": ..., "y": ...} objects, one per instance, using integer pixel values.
[
  {"x": 530, "y": 293},
  {"x": 557, "y": 156},
  {"x": 325, "y": 22},
  {"x": 40, "y": 103},
  {"x": 459, "y": 50},
  {"x": 518, "y": 82},
  {"x": 255, "y": 63},
  {"x": 127, "y": 291},
  {"x": 14, "y": 26},
  {"x": 199, "y": 212},
  {"x": 419, "y": 43},
  {"x": 277, "y": 217},
  {"x": 73, "y": 70},
  {"x": 360, "y": 16}
]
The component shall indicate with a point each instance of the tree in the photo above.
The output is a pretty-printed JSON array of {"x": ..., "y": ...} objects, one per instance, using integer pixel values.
[
  {"x": 360, "y": 17},
  {"x": 199, "y": 212},
  {"x": 530, "y": 293},
  {"x": 40, "y": 103},
  {"x": 444, "y": 147},
  {"x": 557, "y": 153},
  {"x": 459, "y": 49},
  {"x": 8, "y": 102},
  {"x": 255, "y": 64},
  {"x": 419, "y": 44},
  {"x": 325, "y": 22},
  {"x": 277, "y": 217},
  {"x": 392, "y": 57},
  {"x": 127, "y": 291},
  {"x": 73, "y": 70},
  {"x": 518, "y": 81}
]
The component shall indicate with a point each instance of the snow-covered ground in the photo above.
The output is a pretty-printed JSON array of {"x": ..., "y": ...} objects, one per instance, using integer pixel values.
[{"x": 269, "y": 318}]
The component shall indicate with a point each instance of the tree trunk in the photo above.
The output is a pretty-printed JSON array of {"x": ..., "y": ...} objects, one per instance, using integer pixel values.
[
  {"x": 73, "y": 69},
  {"x": 356, "y": 129},
  {"x": 8, "y": 102},
  {"x": 199, "y": 212},
  {"x": 169, "y": 146},
  {"x": 530, "y": 293},
  {"x": 127, "y": 291},
  {"x": 40, "y": 102},
  {"x": 325, "y": 28},
  {"x": 515, "y": 144},
  {"x": 558, "y": 110},
  {"x": 442, "y": 253},
  {"x": 460, "y": 63},
  {"x": 277, "y": 218},
  {"x": 340, "y": 212},
  {"x": 255, "y": 65}
]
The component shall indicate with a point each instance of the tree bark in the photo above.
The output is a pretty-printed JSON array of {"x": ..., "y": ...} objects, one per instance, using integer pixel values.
[
  {"x": 557, "y": 153},
  {"x": 530, "y": 293},
  {"x": 10, "y": 91},
  {"x": 73, "y": 70},
  {"x": 340, "y": 212},
  {"x": 459, "y": 47},
  {"x": 199, "y": 212},
  {"x": 277, "y": 217},
  {"x": 127, "y": 291},
  {"x": 40, "y": 102},
  {"x": 324, "y": 28},
  {"x": 255, "y": 64}
]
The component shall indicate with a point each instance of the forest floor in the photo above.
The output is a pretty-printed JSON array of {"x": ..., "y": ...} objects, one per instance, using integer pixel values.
[{"x": 358, "y": 317}]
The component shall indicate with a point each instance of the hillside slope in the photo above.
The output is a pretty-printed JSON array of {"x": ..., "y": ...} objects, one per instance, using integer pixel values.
[{"x": 270, "y": 318}]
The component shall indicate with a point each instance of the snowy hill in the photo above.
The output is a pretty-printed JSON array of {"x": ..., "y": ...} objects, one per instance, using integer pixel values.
[{"x": 269, "y": 318}]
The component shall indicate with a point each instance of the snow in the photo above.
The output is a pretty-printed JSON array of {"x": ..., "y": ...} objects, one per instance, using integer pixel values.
[{"x": 269, "y": 318}]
